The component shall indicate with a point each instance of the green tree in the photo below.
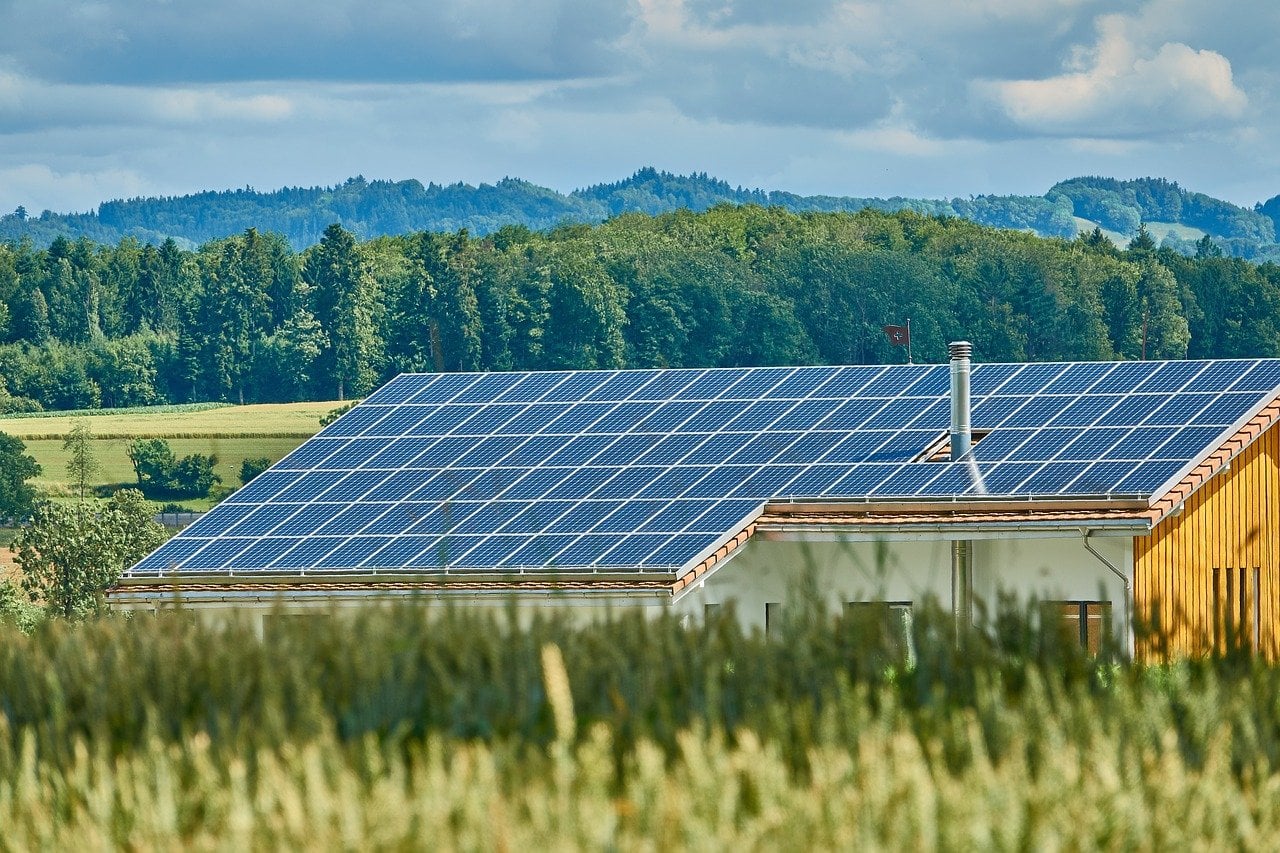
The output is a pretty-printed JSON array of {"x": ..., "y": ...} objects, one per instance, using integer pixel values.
[
  {"x": 161, "y": 475},
  {"x": 584, "y": 311},
  {"x": 233, "y": 312},
  {"x": 285, "y": 359},
  {"x": 68, "y": 555},
  {"x": 193, "y": 475},
  {"x": 344, "y": 295},
  {"x": 1167, "y": 332},
  {"x": 153, "y": 464},
  {"x": 82, "y": 462},
  {"x": 17, "y": 496},
  {"x": 251, "y": 468},
  {"x": 16, "y": 610}
]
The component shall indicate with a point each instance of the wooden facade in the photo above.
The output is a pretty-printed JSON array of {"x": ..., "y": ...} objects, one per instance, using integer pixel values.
[{"x": 1208, "y": 576}]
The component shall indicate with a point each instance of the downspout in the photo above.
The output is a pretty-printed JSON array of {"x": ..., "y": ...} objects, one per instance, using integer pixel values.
[
  {"x": 961, "y": 441},
  {"x": 1128, "y": 590}
]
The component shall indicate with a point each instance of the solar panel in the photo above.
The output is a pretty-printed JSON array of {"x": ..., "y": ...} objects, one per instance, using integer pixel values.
[
  {"x": 582, "y": 470},
  {"x": 307, "y": 553},
  {"x": 531, "y": 387},
  {"x": 848, "y": 382},
  {"x": 400, "y": 551},
  {"x": 443, "y": 387}
]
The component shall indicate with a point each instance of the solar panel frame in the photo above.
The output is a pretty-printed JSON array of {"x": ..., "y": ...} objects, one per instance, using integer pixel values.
[
  {"x": 532, "y": 387},
  {"x": 399, "y": 389}
]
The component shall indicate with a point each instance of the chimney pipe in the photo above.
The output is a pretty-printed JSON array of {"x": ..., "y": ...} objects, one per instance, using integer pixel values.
[
  {"x": 961, "y": 441},
  {"x": 961, "y": 430}
]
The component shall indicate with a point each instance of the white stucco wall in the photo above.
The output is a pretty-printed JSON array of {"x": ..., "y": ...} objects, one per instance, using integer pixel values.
[{"x": 766, "y": 571}]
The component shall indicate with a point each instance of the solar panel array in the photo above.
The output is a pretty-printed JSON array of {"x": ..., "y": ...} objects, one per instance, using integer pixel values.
[{"x": 646, "y": 470}]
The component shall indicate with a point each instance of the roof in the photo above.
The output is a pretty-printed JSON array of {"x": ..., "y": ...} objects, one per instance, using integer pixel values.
[{"x": 657, "y": 474}]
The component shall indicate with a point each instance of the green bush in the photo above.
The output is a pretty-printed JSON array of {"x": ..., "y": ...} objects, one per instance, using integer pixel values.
[
  {"x": 160, "y": 475},
  {"x": 251, "y": 468}
]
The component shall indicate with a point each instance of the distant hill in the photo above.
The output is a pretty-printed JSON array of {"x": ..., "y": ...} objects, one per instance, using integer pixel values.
[{"x": 375, "y": 208}]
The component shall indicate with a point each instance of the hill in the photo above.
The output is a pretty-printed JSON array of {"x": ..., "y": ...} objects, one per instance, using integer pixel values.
[{"x": 379, "y": 208}]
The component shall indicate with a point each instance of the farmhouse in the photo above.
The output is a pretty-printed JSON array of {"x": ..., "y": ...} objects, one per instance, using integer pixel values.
[{"x": 1107, "y": 490}]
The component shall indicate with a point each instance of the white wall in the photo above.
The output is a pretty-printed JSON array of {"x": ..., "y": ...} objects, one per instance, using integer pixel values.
[{"x": 775, "y": 571}]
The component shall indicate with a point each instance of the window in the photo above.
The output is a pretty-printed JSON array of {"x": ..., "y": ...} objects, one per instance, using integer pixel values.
[
  {"x": 281, "y": 627},
  {"x": 1237, "y": 616},
  {"x": 712, "y": 611},
  {"x": 890, "y": 620},
  {"x": 1082, "y": 622},
  {"x": 772, "y": 616}
]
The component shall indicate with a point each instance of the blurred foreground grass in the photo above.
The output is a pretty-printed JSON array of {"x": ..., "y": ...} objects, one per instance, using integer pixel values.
[{"x": 449, "y": 729}]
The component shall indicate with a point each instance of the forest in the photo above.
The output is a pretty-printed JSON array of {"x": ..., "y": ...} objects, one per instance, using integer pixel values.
[
  {"x": 247, "y": 319},
  {"x": 1176, "y": 217}
]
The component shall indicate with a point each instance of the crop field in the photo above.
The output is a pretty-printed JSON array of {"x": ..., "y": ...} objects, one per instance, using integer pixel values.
[
  {"x": 455, "y": 730},
  {"x": 232, "y": 433}
]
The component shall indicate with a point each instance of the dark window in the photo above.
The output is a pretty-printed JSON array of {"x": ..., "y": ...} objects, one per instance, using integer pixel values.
[
  {"x": 772, "y": 617},
  {"x": 1237, "y": 615},
  {"x": 885, "y": 623},
  {"x": 1081, "y": 622}
]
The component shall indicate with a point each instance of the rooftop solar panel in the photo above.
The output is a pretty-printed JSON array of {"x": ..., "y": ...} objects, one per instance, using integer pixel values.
[{"x": 579, "y": 470}]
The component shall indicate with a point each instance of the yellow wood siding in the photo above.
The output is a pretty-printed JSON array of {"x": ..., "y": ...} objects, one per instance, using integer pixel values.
[{"x": 1228, "y": 525}]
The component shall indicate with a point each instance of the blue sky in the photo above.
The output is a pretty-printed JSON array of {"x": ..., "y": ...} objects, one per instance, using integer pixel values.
[{"x": 932, "y": 98}]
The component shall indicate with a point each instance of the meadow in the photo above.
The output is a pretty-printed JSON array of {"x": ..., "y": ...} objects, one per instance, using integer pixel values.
[
  {"x": 231, "y": 433},
  {"x": 450, "y": 729}
]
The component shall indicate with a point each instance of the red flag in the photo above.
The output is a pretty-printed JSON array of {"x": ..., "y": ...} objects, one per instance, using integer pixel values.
[{"x": 899, "y": 336}]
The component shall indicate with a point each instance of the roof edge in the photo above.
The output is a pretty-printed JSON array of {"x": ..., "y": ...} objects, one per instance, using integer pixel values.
[
  {"x": 969, "y": 504},
  {"x": 393, "y": 581},
  {"x": 1167, "y": 499}
]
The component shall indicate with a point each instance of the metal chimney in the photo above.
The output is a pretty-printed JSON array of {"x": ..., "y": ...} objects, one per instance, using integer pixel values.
[
  {"x": 961, "y": 429},
  {"x": 961, "y": 441}
]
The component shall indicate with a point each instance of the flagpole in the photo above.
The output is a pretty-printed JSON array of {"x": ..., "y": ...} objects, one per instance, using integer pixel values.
[{"x": 909, "y": 361}]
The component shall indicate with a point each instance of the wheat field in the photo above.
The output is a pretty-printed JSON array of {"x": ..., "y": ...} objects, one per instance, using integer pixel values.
[{"x": 411, "y": 728}]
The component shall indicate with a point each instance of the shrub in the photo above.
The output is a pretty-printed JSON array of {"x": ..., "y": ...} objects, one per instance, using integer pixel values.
[
  {"x": 251, "y": 468},
  {"x": 333, "y": 414},
  {"x": 161, "y": 476},
  {"x": 193, "y": 475}
]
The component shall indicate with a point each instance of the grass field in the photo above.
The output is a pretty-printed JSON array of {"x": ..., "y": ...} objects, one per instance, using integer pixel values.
[
  {"x": 1159, "y": 230},
  {"x": 232, "y": 433},
  {"x": 1084, "y": 226},
  {"x": 405, "y": 729}
]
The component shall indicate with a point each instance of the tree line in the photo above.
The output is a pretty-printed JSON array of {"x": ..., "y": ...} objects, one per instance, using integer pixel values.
[
  {"x": 247, "y": 319},
  {"x": 378, "y": 208}
]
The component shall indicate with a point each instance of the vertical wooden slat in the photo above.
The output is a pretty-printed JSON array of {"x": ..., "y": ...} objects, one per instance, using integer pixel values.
[{"x": 1229, "y": 523}]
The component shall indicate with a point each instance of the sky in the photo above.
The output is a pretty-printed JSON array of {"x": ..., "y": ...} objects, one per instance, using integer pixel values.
[{"x": 921, "y": 98}]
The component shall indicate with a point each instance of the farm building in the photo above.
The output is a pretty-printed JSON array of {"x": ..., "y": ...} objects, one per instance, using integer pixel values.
[{"x": 1105, "y": 490}]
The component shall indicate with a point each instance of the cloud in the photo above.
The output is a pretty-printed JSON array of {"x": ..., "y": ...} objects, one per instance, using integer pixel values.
[
  {"x": 1118, "y": 89},
  {"x": 77, "y": 190},
  {"x": 923, "y": 97},
  {"x": 28, "y": 104},
  {"x": 160, "y": 42}
]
